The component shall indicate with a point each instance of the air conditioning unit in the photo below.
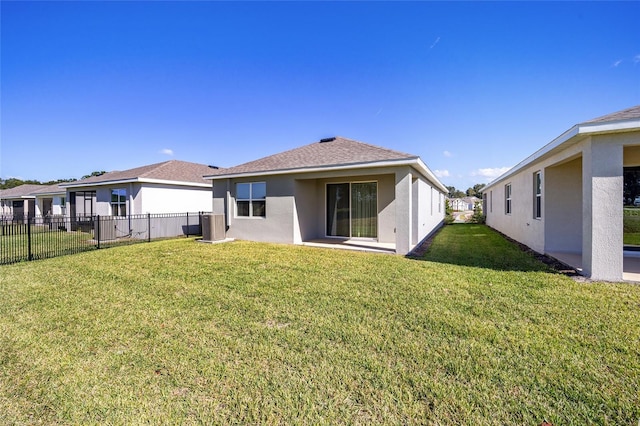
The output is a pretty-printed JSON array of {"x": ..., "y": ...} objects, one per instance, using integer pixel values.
[{"x": 213, "y": 227}]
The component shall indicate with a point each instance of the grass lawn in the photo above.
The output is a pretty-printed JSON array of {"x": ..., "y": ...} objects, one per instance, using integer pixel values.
[{"x": 174, "y": 332}]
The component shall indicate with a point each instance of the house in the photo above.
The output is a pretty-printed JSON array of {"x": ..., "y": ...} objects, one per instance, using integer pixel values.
[
  {"x": 337, "y": 190},
  {"x": 457, "y": 204},
  {"x": 168, "y": 187},
  {"x": 50, "y": 200},
  {"x": 565, "y": 200},
  {"x": 463, "y": 204},
  {"x": 18, "y": 202}
]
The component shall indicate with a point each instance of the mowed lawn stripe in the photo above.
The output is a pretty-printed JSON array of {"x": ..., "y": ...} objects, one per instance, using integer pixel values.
[{"x": 476, "y": 332}]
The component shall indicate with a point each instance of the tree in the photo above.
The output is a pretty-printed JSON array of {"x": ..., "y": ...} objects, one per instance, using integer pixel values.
[
  {"x": 100, "y": 173},
  {"x": 454, "y": 193},
  {"x": 476, "y": 191}
]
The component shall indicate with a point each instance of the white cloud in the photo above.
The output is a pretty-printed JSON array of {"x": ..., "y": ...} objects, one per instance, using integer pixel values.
[
  {"x": 447, "y": 154},
  {"x": 490, "y": 172},
  {"x": 616, "y": 63},
  {"x": 434, "y": 43},
  {"x": 166, "y": 151},
  {"x": 636, "y": 59},
  {"x": 441, "y": 173}
]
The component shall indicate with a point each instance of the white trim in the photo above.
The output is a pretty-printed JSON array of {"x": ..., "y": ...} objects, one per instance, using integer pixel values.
[
  {"x": 573, "y": 135},
  {"x": 415, "y": 162},
  {"x": 135, "y": 180}
]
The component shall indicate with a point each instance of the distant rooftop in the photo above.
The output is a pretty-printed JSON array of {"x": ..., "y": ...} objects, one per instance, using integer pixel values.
[
  {"x": 173, "y": 170},
  {"x": 19, "y": 191}
]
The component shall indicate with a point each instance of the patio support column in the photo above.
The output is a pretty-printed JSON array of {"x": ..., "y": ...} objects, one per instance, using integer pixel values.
[
  {"x": 602, "y": 189},
  {"x": 403, "y": 211}
]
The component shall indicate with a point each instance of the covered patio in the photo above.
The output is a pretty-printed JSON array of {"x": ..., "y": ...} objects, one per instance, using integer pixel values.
[{"x": 630, "y": 269}]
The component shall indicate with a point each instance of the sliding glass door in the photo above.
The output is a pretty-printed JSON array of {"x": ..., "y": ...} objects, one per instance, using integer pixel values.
[{"x": 352, "y": 209}]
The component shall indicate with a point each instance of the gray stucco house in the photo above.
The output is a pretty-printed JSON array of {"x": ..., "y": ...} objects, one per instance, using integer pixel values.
[
  {"x": 335, "y": 189},
  {"x": 566, "y": 199}
]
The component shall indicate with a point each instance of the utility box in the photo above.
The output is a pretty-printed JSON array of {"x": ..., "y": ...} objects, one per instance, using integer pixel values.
[
  {"x": 213, "y": 227},
  {"x": 106, "y": 229}
]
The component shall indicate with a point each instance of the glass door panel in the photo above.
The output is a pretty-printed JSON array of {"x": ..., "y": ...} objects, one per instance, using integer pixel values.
[
  {"x": 338, "y": 210},
  {"x": 364, "y": 210}
]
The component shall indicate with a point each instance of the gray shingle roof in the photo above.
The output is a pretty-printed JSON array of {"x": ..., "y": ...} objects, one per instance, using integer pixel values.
[
  {"x": 632, "y": 113},
  {"x": 335, "y": 152},
  {"x": 19, "y": 191},
  {"x": 49, "y": 189},
  {"x": 173, "y": 170}
]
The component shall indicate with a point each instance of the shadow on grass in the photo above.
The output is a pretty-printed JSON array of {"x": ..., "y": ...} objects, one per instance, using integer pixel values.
[{"x": 478, "y": 246}]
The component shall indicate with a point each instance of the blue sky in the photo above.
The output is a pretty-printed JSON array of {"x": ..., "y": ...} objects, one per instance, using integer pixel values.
[{"x": 473, "y": 88}]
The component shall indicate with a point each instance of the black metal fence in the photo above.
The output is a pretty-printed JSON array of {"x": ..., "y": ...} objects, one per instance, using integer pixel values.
[{"x": 41, "y": 237}]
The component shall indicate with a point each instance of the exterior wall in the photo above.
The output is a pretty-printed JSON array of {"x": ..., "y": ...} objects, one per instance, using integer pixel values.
[
  {"x": 520, "y": 224},
  {"x": 296, "y": 210},
  {"x": 170, "y": 199},
  {"x": 582, "y": 202},
  {"x": 276, "y": 227},
  {"x": 602, "y": 245},
  {"x": 150, "y": 198},
  {"x": 563, "y": 207}
]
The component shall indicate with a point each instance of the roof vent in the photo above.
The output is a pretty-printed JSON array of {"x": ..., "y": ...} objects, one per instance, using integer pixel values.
[
  {"x": 213, "y": 167},
  {"x": 327, "y": 140}
]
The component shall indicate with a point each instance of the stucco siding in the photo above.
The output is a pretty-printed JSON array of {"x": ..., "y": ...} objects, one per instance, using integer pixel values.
[
  {"x": 170, "y": 199},
  {"x": 563, "y": 207},
  {"x": 277, "y": 225}
]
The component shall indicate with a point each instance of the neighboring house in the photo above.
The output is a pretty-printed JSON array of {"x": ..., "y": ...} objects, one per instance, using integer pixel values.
[
  {"x": 463, "y": 204},
  {"x": 566, "y": 199},
  {"x": 457, "y": 204},
  {"x": 18, "y": 202},
  {"x": 50, "y": 200},
  {"x": 169, "y": 187},
  {"x": 335, "y": 189}
]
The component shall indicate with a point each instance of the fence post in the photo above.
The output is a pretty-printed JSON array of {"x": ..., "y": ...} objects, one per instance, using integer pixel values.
[
  {"x": 187, "y": 224},
  {"x": 29, "y": 237},
  {"x": 97, "y": 228},
  {"x": 148, "y": 227}
]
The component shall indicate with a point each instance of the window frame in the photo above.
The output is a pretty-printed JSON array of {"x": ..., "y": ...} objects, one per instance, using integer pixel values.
[
  {"x": 251, "y": 200},
  {"x": 119, "y": 206},
  {"x": 508, "y": 205},
  {"x": 537, "y": 195}
]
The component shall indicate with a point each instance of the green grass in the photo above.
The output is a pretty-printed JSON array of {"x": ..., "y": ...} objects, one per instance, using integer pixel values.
[
  {"x": 174, "y": 332},
  {"x": 45, "y": 243}
]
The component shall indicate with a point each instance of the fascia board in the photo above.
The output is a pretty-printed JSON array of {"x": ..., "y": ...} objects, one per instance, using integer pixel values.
[
  {"x": 414, "y": 162},
  {"x": 136, "y": 180},
  {"x": 570, "y": 136},
  {"x": 554, "y": 144}
]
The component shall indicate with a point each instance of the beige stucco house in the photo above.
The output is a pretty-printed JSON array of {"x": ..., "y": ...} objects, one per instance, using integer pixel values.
[
  {"x": 336, "y": 189},
  {"x": 566, "y": 199}
]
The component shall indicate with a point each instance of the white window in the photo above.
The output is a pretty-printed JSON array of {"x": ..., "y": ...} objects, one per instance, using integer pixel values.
[
  {"x": 537, "y": 195},
  {"x": 119, "y": 202},
  {"x": 251, "y": 199},
  {"x": 507, "y": 198}
]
